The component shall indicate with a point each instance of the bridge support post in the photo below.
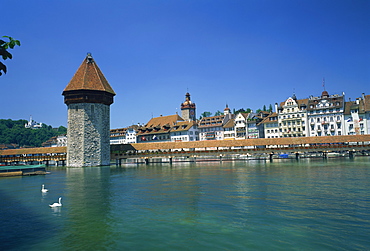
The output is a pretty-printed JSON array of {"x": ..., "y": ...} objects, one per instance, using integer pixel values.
[
  {"x": 271, "y": 154},
  {"x": 170, "y": 159},
  {"x": 146, "y": 161},
  {"x": 118, "y": 162},
  {"x": 324, "y": 155},
  {"x": 296, "y": 156},
  {"x": 220, "y": 157},
  {"x": 351, "y": 154}
]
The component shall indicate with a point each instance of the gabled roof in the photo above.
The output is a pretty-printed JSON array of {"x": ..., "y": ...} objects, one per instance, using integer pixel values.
[
  {"x": 299, "y": 102},
  {"x": 229, "y": 124},
  {"x": 89, "y": 77},
  {"x": 163, "y": 120},
  {"x": 268, "y": 119},
  {"x": 351, "y": 105},
  {"x": 122, "y": 131},
  {"x": 244, "y": 114},
  {"x": 165, "y": 125},
  {"x": 183, "y": 126},
  {"x": 336, "y": 101},
  {"x": 211, "y": 121}
]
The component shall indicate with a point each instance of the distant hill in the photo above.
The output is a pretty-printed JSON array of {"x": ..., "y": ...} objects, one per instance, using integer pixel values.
[{"x": 14, "y": 132}]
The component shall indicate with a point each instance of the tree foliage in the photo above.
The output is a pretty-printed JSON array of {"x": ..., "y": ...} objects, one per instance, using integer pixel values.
[
  {"x": 4, "y": 53},
  {"x": 242, "y": 110},
  {"x": 205, "y": 115},
  {"x": 270, "y": 108},
  {"x": 14, "y": 132},
  {"x": 218, "y": 113}
]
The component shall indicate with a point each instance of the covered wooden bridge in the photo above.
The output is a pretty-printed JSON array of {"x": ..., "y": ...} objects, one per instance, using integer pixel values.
[
  {"x": 272, "y": 147},
  {"x": 350, "y": 144}
]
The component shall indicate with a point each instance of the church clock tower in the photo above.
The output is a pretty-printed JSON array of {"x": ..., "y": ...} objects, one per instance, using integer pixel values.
[{"x": 188, "y": 109}]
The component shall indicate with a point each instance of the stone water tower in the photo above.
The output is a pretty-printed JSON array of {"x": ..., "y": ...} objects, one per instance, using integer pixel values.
[{"x": 88, "y": 97}]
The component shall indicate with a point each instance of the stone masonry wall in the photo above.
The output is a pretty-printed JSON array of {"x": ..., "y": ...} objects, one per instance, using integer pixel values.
[{"x": 88, "y": 135}]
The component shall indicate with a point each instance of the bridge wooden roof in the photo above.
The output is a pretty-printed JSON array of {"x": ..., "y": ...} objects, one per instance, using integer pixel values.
[
  {"x": 36, "y": 150},
  {"x": 252, "y": 142},
  {"x": 209, "y": 143}
]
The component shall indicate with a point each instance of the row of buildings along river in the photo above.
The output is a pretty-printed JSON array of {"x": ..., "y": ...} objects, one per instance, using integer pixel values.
[{"x": 324, "y": 115}]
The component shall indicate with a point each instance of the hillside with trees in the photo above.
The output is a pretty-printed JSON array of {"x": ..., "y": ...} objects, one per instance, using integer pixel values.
[{"x": 14, "y": 132}]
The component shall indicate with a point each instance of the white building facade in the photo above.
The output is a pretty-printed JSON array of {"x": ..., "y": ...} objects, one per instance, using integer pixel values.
[
  {"x": 325, "y": 115},
  {"x": 355, "y": 119},
  {"x": 184, "y": 131},
  {"x": 271, "y": 126},
  {"x": 292, "y": 117}
]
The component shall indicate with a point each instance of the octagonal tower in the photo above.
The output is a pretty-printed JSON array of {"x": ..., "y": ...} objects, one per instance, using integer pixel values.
[{"x": 88, "y": 97}]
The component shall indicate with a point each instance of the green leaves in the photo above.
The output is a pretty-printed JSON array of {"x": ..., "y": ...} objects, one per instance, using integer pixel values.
[
  {"x": 4, "y": 46},
  {"x": 12, "y": 42}
]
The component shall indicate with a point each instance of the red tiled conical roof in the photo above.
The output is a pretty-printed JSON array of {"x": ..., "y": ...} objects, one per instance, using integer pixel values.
[{"x": 89, "y": 77}]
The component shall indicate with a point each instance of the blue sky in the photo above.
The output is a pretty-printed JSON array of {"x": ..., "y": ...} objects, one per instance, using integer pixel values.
[{"x": 246, "y": 53}]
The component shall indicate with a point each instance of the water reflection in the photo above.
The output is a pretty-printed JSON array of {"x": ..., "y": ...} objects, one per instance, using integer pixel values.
[
  {"x": 56, "y": 211},
  {"x": 87, "y": 202}
]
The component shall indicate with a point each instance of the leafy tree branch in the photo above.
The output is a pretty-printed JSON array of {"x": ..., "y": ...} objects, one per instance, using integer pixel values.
[{"x": 4, "y": 53}]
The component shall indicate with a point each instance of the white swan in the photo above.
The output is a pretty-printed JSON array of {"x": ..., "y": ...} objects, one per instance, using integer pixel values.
[
  {"x": 43, "y": 189},
  {"x": 57, "y": 204}
]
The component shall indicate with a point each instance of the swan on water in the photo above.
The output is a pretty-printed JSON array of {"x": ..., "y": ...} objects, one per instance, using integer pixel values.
[
  {"x": 57, "y": 204},
  {"x": 43, "y": 189}
]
